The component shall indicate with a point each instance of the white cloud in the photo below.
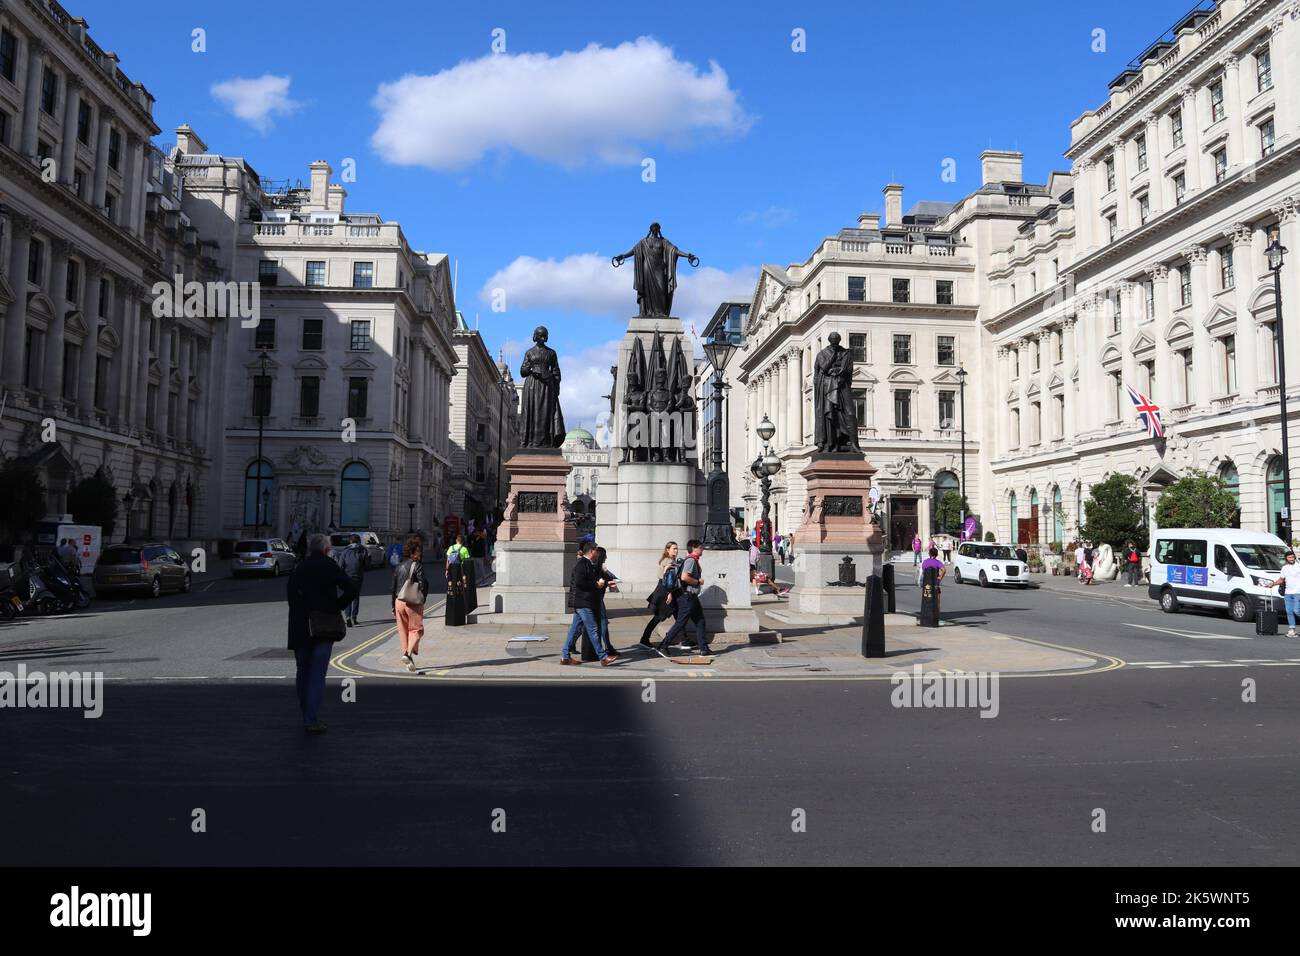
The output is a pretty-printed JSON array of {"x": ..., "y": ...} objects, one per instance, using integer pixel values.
[
  {"x": 599, "y": 104},
  {"x": 587, "y": 283},
  {"x": 256, "y": 100},
  {"x": 584, "y": 383}
]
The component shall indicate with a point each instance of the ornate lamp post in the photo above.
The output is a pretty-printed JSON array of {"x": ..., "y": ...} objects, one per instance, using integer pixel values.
[
  {"x": 961, "y": 386},
  {"x": 764, "y": 467},
  {"x": 263, "y": 399},
  {"x": 1276, "y": 253},
  {"x": 717, "y": 530},
  {"x": 332, "y": 497}
]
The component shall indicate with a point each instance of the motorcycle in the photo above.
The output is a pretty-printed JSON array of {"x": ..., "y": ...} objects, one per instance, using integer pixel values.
[{"x": 64, "y": 585}]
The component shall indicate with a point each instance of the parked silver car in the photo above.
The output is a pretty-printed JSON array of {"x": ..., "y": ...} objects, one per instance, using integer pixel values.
[
  {"x": 153, "y": 568},
  {"x": 369, "y": 540},
  {"x": 262, "y": 556}
]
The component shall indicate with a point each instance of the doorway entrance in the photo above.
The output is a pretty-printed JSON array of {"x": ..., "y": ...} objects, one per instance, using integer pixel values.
[{"x": 902, "y": 523}]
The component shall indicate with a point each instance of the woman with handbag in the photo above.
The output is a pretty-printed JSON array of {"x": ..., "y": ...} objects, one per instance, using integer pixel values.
[
  {"x": 409, "y": 593},
  {"x": 318, "y": 592},
  {"x": 661, "y": 598}
]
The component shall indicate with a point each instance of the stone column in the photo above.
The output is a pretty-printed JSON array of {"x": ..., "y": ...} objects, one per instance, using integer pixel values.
[
  {"x": 1068, "y": 357},
  {"x": 32, "y": 97},
  {"x": 100, "y": 190},
  {"x": 1192, "y": 139},
  {"x": 1155, "y": 165},
  {"x": 164, "y": 389},
  {"x": 1022, "y": 396},
  {"x": 1289, "y": 228},
  {"x": 1202, "y": 347},
  {"x": 20, "y": 244},
  {"x": 1233, "y": 106},
  {"x": 1091, "y": 408},
  {"x": 1164, "y": 355},
  {"x": 207, "y": 364},
  {"x": 1083, "y": 205},
  {"x": 1001, "y": 440},
  {"x": 141, "y": 395},
  {"x": 1044, "y": 337},
  {"x": 126, "y": 375},
  {"x": 782, "y": 439},
  {"x": 131, "y": 192},
  {"x": 795, "y": 403},
  {"x": 92, "y": 272},
  {"x": 181, "y": 426},
  {"x": 68, "y": 148},
  {"x": 1122, "y": 213},
  {"x": 1282, "y": 78},
  {"x": 420, "y": 404},
  {"x": 1123, "y": 297},
  {"x": 52, "y": 380},
  {"x": 1241, "y": 236}
]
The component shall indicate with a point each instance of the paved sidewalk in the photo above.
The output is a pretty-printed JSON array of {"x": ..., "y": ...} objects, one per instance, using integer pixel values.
[{"x": 781, "y": 651}]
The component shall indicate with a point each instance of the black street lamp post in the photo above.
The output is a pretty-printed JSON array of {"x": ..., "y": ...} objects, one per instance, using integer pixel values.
[
  {"x": 718, "y": 534},
  {"x": 128, "y": 499},
  {"x": 1275, "y": 252},
  {"x": 411, "y": 506},
  {"x": 764, "y": 467},
  {"x": 332, "y": 496},
  {"x": 262, "y": 396}
]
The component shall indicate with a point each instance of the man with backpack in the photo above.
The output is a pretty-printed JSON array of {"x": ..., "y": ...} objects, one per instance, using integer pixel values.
[
  {"x": 352, "y": 560},
  {"x": 688, "y": 604}
]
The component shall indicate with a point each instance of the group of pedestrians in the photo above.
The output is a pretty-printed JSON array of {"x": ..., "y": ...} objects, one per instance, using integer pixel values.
[
  {"x": 677, "y": 595},
  {"x": 589, "y": 582}
]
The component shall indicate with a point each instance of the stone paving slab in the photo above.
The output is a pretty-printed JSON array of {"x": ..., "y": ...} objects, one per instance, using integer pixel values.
[{"x": 483, "y": 651}]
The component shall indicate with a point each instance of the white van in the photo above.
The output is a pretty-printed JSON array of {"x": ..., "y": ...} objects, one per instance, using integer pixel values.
[{"x": 1216, "y": 568}]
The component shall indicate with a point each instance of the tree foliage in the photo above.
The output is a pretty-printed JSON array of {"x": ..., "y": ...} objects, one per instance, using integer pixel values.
[
  {"x": 94, "y": 501},
  {"x": 23, "y": 494},
  {"x": 1197, "y": 500},
  {"x": 949, "y": 512},
  {"x": 1113, "y": 513}
]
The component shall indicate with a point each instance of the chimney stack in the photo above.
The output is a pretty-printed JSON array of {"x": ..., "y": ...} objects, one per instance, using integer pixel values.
[
  {"x": 1002, "y": 166},
  {"x": 320, "y": 181},
  {"x": 893, "y": 204},
  {"x": 188, "y": 142},
  {"x": 869, "y": 220}
]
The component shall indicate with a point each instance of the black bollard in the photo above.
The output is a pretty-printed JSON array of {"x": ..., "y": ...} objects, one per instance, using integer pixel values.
[
  {"x": 929, "y": 598},
  {"x": 873, "y": 618},
  {"x": 887, "y": 582}
]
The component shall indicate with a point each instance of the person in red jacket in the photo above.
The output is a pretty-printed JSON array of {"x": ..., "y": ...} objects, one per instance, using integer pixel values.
[{"x": 1132, "y": 565}]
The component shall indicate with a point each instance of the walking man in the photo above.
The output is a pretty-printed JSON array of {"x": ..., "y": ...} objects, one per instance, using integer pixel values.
[
  {"x": 352, "y": 560},
  {"x": 1132, "y": 565},
  {"x": 585, "y": 584},
  {"x": 318, "y": 590},
  {"x": 688, "y": 607}
]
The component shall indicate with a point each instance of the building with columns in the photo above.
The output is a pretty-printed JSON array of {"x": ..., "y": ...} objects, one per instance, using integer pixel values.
[
  {"x": 733, "y": 316},
  {"x": 1149, "y": 271},
  {"x": 589, "y": 461},
  {"x": 347, "y": 371},
  {"x": 91, "y": 222},
  {"x": 484, "y": 427}
]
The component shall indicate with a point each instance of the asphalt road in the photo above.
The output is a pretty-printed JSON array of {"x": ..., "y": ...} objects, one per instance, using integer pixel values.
[{"x": 1185, "y": 771}]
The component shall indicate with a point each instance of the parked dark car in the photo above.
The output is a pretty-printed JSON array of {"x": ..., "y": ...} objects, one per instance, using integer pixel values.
[{"x": 152, "y": 568}]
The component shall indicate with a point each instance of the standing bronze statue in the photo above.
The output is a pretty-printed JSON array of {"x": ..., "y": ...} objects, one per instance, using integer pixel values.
[
  {"x": 656, "y": 272},
  {"x": 837, "y": 420},
  {"x": 543, "y": 421}
]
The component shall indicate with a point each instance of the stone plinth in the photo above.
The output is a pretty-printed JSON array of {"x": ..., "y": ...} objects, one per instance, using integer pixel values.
[
  {"x": 641, "y": 507},
  {"x": 725, "y": 592},
  {"x": 837, "y": 525},
  {"x": 536, "y": 547}
]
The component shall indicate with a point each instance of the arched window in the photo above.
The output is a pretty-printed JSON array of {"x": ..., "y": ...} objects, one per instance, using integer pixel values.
[
  {"x": 1015, "y": 520},
  {"x": 254, "y": 511},
  {"x": 1058, "y": 526},
  {"x": 1276, "y": 500},
  {"x": 944, "y": 482},
  {"x": 1232, "y": 482},
  {"x": 354, "y": 497}
]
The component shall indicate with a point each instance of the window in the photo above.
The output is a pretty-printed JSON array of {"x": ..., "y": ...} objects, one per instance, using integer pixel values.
[
  {"x": 1232, "y": 484},
  {"x": 1275, "y": 497},
  {"x": 49, "y": 90},
  {"x": 480, "y": 432},
  {"x": 1141, "y": 143},
  {"x": 1038, "y": 355},
  {"x": 363, "y": 275},
  {"x": 259, "y": 483},
  {"x": 1116, "y": 396},
  {"x": 1060, "y": 345},
  {"x": 1036, "y": 420},
  {"x": 71, "y": 369},
  {"x": 1015, "y": 363},
  {"x": 261, "y": 396},
  {"x": 268, "y": 272},
  {"x": 309, "y": 396},
  {"x": 577, "y": 483},
  {"x": 947, "y": 409},
  {"x": 1117, "y": 313},
  {"x": 902, "y": 350},
  {"x": 858, "y": 346},
  {"x": 1217, "y": 111},
  {"x": 33, "y": 351},
  {"x": 1109, "y": 166},
  {"x": 8, "y": 55},
  {"x": 902, "y": 408},
  {"x": 860, "y": 407},
  {"x": 1267, "y": 137},
  {"x": 1144, "y": 208},
  {"x": 1270, "y": 360},
  {"x": 1185, "y": 284},
  {"x": 36, "y": 262},
  {"x": 1264, "y": 69},
  {"x": 1148, "y": 376},
  {"x": 73, "y": 283},
  {"x": 1112, "y": 226},
  {"x": 315, "y": 273},
  {"x": 354, "y": 497},
  {"x": 1227, "y": 274},
  {"x": 1180, "y": 188},
  {"x": 313, "y": 335},
  {"x": 114, "y": 149},
  {"x": 264, "y": 334},
  {"x": 943, "y": 292},
  {"x": 480, "y": 468},
  {"x": 857, "y": 289},
  {"x": 101, "y": 382},
  {"x": 947, "y": 350},
  {"x": 1015, "y": 428},
  {"x": 110, "y": 206},
  {"x": 358, "y": 395},
  {"x": 1230, "y": 364},
  {"x": 1058, "y": 417},
  {"x": 359, "y": 339},
  {"x": 902, "y": 290},
  {"x": 1188, "y": 376},
  {"x": 4, "y": 127},
  {"x": 79, "y": 183},
  {"x": 1220, "y": 165},
  {"x": 1176, "y": 127},
  {"x": 1150, "y": 288}
]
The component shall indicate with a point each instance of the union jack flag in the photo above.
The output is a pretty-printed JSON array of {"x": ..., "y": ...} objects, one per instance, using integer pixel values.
[{"x": 1148, "y": 411}]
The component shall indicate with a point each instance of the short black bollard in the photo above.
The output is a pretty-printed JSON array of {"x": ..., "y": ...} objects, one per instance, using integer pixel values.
[
  {"x": 930, "y": 598},
  {"x": 887, "y": 582},
  {"x": 873, "y": 619}
]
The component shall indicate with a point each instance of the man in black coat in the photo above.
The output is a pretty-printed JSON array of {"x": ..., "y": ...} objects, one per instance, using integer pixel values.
[
  {"x": 317, "y": 584},
  {"x": 585, "y": 585}
]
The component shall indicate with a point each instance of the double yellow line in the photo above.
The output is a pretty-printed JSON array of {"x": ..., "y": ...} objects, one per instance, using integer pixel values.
[{"x": 340, "y": 660}]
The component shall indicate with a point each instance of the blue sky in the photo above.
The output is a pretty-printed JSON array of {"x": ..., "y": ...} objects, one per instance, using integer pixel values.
[{"x": 524, "y": 165}]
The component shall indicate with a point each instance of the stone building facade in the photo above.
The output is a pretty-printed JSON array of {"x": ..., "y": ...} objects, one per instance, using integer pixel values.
[
  {"x": 484, "y": 427},
  {"x": 589, "y": 463}
]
